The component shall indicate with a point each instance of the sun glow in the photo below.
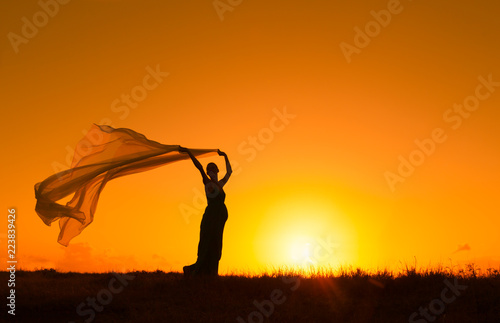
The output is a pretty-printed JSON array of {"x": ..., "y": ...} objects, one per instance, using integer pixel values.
[{"x": 306, "y": 232}]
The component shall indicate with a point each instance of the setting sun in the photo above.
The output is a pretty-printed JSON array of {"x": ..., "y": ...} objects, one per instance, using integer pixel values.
[{"x": 308, "y": 231}]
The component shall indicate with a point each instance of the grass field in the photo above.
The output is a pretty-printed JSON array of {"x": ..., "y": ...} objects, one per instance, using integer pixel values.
[{"x": 279, "y": 296}]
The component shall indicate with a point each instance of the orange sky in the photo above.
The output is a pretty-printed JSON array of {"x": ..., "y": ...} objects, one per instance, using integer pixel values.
[{"x": 312, "y": 187}]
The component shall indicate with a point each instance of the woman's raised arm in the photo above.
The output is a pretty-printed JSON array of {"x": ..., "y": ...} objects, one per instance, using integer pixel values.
[
  {"x": 229, "y": 170},
  {"x": 196, "y": 163}
]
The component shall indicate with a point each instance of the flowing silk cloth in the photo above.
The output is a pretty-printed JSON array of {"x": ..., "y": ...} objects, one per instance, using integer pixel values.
[{"x": 103, "y": 154}]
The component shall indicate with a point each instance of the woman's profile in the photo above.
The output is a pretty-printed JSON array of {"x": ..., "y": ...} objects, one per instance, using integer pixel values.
[{"x": 213, "y": 221}]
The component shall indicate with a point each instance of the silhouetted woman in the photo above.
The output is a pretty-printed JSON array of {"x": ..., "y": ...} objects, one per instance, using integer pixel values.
[{"x": 213, "y": 221}]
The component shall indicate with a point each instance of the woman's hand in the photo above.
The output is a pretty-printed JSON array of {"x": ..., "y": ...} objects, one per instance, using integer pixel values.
[{"x": 183, "y": 149}]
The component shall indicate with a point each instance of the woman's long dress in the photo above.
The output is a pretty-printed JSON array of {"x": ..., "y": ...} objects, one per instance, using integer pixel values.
[{"x": 211, "y": 230}]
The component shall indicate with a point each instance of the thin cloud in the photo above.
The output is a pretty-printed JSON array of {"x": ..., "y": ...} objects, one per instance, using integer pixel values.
[
  {"x": 81, "y": 257},
  {"x": 464, "y": 247},
  {"x": 36, "y": 261}
]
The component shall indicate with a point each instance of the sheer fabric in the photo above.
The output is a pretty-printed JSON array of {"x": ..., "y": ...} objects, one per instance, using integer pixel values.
[{"x": 103, "y": 154}]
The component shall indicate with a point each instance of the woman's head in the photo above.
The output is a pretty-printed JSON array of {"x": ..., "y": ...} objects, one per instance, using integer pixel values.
[{"x": 212, "y": 169}]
